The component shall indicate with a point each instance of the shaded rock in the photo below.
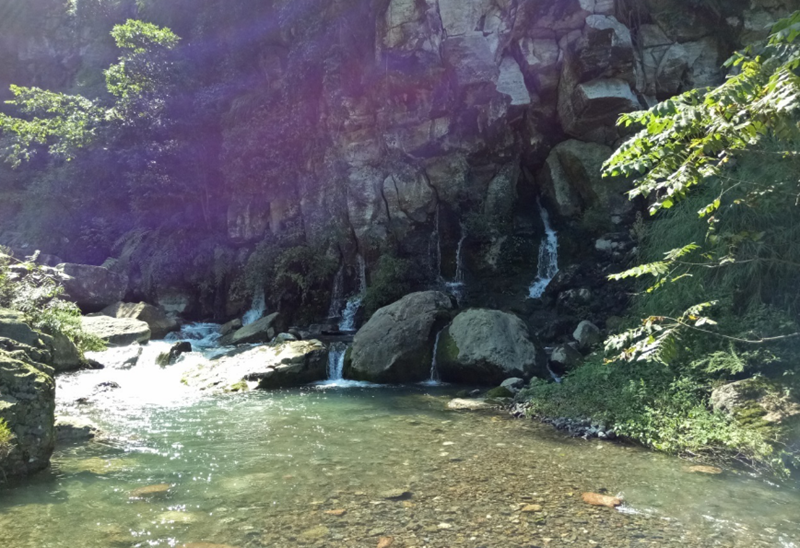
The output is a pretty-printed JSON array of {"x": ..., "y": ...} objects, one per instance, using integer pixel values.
[
  {"x": 27, "y": 405},
  {"x": 74, "y": 430},
  {"x": 513, "y": 384},
  {"x": 499, "y": 392},
  {"x": 260, "y": 331},
  {"x": 572, "y": 179},
  {"x": 230, "y": 327},
  {"x": 116, "y": 331},
  {"x": 396, "y": 344},
  {"x": 596, "y": 499},
  {"x": 92, "y": 288},
  {"x": 66, "y": 356},
  {"x": 37, "y": 357},
  {"x": 282, "y": 365},
  {"x": 13, "y": 326},
  {"x": 565, "y": 357},
  {"x": 157, "y": 320},
  {"x": 171, "y": 356},
  {"x": 486, "y": 347},
  {"x": 587, "y": 334},
  {"x": 756, "y": 399},
  {"x": 587, "y": 108}
]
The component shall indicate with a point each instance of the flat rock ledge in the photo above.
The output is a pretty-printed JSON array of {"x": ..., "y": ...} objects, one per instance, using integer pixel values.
[{"x": 283, "y": 365}]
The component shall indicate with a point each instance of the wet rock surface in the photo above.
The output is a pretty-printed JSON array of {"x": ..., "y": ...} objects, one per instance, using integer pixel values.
[
  {"x": 396, "y": 344},
  {"x": 281, "y": 365}
]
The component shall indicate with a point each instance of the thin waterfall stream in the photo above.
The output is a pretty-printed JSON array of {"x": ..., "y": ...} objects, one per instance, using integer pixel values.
[
  {"x": 257, "y": 309},
  {"x": 348, "y": 321},
  {"x": 435, "y": 378},
  {"x": 548, "y": 257}
]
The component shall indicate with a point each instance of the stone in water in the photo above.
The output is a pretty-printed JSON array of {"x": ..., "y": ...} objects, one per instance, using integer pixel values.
[
  {"x": 596, "y": 499},
  {"x": 151, "y": 491},
  {"x": 705, "y": 470}
]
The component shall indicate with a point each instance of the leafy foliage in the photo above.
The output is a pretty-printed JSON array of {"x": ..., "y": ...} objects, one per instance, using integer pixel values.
[
  {"x": 710, "y": 139},
  {"x": 34, "y": 292},
  {"x": 652, "y": 405},
  {"x": 6, "y": 440}
]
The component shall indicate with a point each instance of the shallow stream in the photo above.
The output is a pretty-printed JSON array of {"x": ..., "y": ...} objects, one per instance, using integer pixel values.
[{"x": 347, "y": 466}]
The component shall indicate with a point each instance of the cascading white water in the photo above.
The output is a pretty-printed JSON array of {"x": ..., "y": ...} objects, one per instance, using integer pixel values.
[
  {"x": 257, "y": 309},
  {"x": 548, "y": 258},
  {"x": 348, "y": 322},
  {"x": 336, "y": 361},
  {"x": 201, "y": 335},
  {"x": 435, "y": 379}
]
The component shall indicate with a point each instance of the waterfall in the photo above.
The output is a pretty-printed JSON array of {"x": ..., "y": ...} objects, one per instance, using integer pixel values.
[
  {"x": 434, "y": 379},
  {"x": 456, "y": 286},
  {"x": 336, "y": 361},
  {"x": 256, "y": 309},
  {"x": 548, "y": 258},
  {"x": 337, "y": 294},
  {"x": 201, "y": 335},
  {"x": 348, "y": 322}
]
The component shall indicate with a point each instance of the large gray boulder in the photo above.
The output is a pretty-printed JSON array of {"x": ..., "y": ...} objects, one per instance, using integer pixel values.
[
  {"x": 260, "y": 331},
  {"x": 92, "y": 288},
  {"x": 486, "y": 347},
  {"x": 160, "y": 324},
  {"x": 283, "y": 365},
  {"x": 27, "y": 407},
  {"x": 116, "y": 331},
  {"x": 396, "y": 344}
]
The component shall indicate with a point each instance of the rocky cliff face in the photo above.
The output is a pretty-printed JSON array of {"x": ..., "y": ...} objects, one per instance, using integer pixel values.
[{"x": 427, "y": 129}]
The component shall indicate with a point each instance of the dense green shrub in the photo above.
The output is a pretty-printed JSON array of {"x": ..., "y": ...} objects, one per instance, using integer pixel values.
[
  {"x": 653, "y": 405},
  {"x": 36, "y": 295},
  {"x": 6, "y": 440}
]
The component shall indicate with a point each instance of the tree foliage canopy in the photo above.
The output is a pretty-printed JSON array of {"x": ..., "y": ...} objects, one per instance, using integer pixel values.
[{"x": 703, "y": 138}]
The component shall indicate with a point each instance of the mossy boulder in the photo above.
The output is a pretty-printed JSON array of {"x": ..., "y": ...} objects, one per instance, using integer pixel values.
[
  {"x": 27, "y": 407},
  {"x": 396, "y": 344},
  {"x": 486, "y": 347}
]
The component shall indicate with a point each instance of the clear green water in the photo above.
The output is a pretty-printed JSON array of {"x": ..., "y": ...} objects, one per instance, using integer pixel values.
[{"x": 261, "y": 469}]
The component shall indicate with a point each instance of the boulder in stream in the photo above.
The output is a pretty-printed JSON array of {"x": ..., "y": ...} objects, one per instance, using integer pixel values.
[
  {"x": 486, "y": 347},
  {"x": 282, "y": 365},
  {"x": 160, "y": 324},
  {"x": 92, "y": 288},
  {"x": 260, "y": 331},
  {"x": 396, "y": 344},
  {"x": 116, "y": 331}
]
